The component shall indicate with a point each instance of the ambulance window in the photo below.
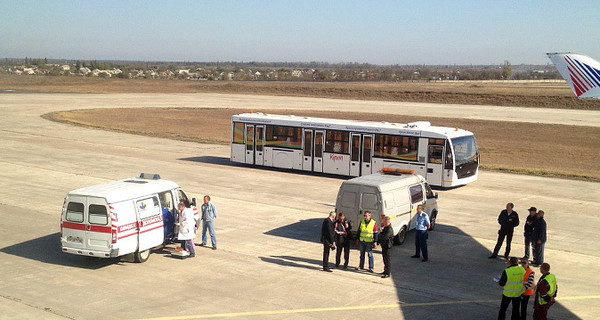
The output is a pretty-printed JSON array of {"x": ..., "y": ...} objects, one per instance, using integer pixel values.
[
  {"x": 148, "y": 207},
  {"x": 182, "y": 197},
  {"x": 75, "y": 212},
  {"x": 369, "y": 201},
  {"x": 166, "y": 200},
  {"x": 348, "y": 199},
  {"x": 416, "y": 193},
  {"x": 98, "y": 214}
]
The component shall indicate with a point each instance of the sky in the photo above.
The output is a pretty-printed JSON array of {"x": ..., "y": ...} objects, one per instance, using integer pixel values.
[{"x": 377, "y": 32}]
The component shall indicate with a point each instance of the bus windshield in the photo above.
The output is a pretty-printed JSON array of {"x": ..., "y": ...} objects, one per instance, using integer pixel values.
[{"x": 465, "y": 149}]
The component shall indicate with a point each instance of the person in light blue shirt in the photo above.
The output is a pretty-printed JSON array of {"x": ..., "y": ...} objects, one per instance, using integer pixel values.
[
  {"x": 209, "y": 214},
  {"x": 421, "y": 228}
]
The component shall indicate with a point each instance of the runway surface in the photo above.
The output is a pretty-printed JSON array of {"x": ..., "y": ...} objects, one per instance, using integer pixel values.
[{"x": 268, "y": 261}]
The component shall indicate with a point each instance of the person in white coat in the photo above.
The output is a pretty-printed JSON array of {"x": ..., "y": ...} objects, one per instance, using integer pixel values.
[{"x": 187, "y": 228}]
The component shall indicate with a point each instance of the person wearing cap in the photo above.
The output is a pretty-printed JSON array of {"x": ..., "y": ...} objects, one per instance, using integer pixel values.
[
  {"x": 508, "y": 220},
  {"x": 528, "y": 231},
  {"x": 539, "y": 238},
  {"x": 512, "y": 283},
  {"x": 528, "y": 280}
]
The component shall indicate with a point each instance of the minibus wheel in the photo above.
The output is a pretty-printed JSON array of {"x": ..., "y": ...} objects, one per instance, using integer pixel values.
[
  {"x": 400, "y": 237},
  {"x": 142, "y": 256},
  {"x": 432, "y": 220}
]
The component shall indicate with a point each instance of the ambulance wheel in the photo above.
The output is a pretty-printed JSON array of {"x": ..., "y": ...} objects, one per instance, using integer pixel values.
[
  {"x": 142, "y": 256},
  {"x": 400, "y": 237}
]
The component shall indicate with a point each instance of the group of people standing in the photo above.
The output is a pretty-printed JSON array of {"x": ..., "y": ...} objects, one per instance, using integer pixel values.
[
  {"x": 186, "y": 224},
  {"x": 335, "y": 234},
  {"x": 517, "y": 282},
  {"x": 534, "y": 232}
]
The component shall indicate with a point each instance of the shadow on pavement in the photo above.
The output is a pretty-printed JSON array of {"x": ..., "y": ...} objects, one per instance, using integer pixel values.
[
  {"x": 456, "y": 282},
  {"x": 47, "y": 249}
]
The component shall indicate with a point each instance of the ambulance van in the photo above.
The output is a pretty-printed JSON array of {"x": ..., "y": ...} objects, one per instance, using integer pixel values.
[
  {"x": 119, "y": 218},
  {"x": 393, "y": 193}
]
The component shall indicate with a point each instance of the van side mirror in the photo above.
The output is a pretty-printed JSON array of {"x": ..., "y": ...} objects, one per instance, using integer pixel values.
[
  {"x": 435, "y": 195},
  {"x": 194, "y": 201}
]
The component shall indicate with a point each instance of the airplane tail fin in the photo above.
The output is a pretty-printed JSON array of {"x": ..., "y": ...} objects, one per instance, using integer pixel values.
[{"x": 582, "y": 73}]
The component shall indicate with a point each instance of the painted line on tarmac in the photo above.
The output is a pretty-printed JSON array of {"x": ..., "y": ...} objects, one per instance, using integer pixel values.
[
  {"x": 349, "y": 308},
  {"x": 313, "y": 310}
]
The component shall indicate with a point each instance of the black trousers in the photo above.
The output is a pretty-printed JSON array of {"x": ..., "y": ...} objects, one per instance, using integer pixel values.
[
  {"x": 326, "y": 249},
  {"x": 524, "y": 302},
  {"x": 516, "y": 303},
  {"x": 387, "y": 263},
  {"x": 501, "y": 235},
  {"x": 338, "y": 253}
]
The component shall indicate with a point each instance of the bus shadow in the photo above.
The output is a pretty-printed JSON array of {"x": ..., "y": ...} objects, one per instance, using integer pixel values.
[
  {"x": 456, "y": 282},
  {"x": 223, "y": 161},
  {"x": 47, "y": 249}
]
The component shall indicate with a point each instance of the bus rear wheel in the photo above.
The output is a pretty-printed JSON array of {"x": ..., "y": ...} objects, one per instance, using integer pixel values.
[
  {"x": 400, "y": 237},
  {"x": 142, "y": 256}
]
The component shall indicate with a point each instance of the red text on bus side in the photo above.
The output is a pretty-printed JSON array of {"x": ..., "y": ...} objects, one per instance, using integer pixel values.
[{"x": 335, "y": 158}]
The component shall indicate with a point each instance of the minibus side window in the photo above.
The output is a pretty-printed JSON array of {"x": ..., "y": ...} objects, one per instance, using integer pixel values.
[
  {"x": 75, "y": 212},
  {"x": 98, "y": 214},
  {"x": 416, "y": 193}
]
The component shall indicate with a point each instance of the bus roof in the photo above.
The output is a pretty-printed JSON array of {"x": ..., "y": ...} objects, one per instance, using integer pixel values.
[
  {"x": 419, "y": 128},
  {"x": 385, "y": 182},
  {"x": 125, "y": 189}
]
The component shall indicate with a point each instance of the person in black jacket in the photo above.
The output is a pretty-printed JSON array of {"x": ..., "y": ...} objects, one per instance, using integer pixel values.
[
  {"x": 342, "y": 227},
  {"x": 508, "y": 220},
  {"x": 386, "y": 238},
  {"x": 327, "y": 239},
  {"x": 528, "y": 231},
  {"x": 539, "y": 239}
]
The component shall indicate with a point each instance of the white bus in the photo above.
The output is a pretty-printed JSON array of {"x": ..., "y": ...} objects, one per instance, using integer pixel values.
[{"x": 445, "y": 156}]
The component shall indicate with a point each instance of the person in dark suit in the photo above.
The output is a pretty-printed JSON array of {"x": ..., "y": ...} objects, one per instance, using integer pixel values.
[
  {"x": 342, "y": 240},
  {"x": 539, "y": 239},
  {"x": 327, "y": 232},
  {"x": 508, "y": 220},
  {"x": 386, "y": 241}
]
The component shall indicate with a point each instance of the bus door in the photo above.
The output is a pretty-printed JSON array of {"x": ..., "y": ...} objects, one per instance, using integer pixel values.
[
  {"x": 259, "y": 144},
  {"x": 435, "y": 161},
  {"x": 250, "y": 144},
  {"x": 318, "y": 150},
  {"x": 367, "y": 154},
  {"x": 355, "y": 154},
  {"x": 307, "y": 162}
]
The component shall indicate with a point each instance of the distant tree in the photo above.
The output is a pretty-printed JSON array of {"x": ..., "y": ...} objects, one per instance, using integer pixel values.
[{"x": 507, "y": 70}]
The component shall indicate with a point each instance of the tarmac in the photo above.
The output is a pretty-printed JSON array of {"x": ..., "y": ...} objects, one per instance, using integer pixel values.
[{"x": 268, "y": 261}]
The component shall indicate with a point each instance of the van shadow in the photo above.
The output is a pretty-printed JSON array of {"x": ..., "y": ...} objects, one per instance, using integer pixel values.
[
  {"x": 456, "y": 282},
  {"x": 47, "y": 249}
]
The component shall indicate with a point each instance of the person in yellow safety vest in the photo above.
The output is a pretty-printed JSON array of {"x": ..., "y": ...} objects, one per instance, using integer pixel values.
[
  {"x": 545, "y": 292},
  {"x": 528, "y": 279},
  {"x": 512, "y": 281},
  {"x": 367, "y": 237}
]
